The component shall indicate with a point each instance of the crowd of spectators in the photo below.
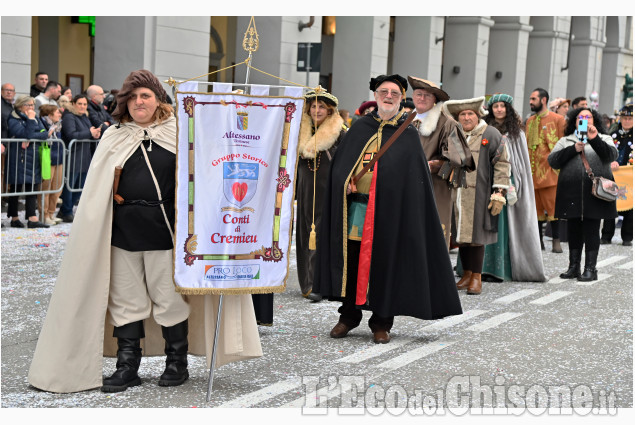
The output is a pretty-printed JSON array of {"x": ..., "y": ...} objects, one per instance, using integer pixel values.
[{"x": 60, "y": 129}]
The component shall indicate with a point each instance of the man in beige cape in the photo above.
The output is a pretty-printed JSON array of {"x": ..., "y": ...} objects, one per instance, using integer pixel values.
[{"x": 77, "y": 332}]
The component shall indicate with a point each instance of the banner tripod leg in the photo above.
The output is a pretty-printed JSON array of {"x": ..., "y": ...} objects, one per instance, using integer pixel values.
[{"x": 215, "y": 346}]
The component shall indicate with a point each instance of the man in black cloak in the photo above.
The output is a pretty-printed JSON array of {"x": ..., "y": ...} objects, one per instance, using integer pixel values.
[{"x": 381, "y": 245}]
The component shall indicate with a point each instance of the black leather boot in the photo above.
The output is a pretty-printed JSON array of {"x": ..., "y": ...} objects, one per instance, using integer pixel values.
[
  {"x": 590, "y": 273},
  {"x": 128, "y": 358},
  {"x": 542, "y": 243},
  {"x": 176, "y": 349},
  {"x": 575, "y": 257}
]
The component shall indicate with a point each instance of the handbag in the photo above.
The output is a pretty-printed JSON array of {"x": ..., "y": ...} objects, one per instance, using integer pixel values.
[{"x": 602, "y": 188}]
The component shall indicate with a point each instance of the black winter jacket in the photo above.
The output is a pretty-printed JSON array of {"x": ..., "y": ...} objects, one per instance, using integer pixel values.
[{"x": 573, "y": 195}]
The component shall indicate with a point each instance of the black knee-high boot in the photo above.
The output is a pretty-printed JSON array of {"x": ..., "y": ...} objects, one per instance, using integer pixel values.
[
  {"x": 176, "y": 350},
  {"x": 590, "y": 272},
  {"x": 575, "y": 257},
  {"x": 128, "y": 358}
]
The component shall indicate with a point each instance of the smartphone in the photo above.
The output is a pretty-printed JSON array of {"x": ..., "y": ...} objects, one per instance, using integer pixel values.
[{"x": 583, "y": 126}]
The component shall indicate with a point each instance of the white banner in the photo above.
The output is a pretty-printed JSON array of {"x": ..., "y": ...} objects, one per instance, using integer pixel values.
[{"x": 236, "y": 163}]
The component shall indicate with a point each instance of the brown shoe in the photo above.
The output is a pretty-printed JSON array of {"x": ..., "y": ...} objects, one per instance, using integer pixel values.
[
  {"x": 465, "y": 280},
  {"x": 381, "y": 337},
  {"x": 475, "y": 284},
  {"x": 340, "y": 330},
  {"x": 555, "y": 246}
]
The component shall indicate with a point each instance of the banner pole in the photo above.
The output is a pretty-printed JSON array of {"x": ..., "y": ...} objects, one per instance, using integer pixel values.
[
  {"x": 250, "y": 44},
  {"x": 211, "y": 369}
]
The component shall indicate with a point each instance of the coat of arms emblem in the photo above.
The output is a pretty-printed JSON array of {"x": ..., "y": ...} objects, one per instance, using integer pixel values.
[
  {"x": 242, "y": 120},
  {"x": 240, "y": 180}
]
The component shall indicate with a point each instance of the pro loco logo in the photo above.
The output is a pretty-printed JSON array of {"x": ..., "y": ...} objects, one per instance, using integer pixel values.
[
  {"x": 232, "y": 272},
  {"x": 240, "y": 180}
]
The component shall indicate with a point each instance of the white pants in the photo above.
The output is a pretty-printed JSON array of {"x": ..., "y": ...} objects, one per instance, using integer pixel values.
[{"x": 141, "y": 282}]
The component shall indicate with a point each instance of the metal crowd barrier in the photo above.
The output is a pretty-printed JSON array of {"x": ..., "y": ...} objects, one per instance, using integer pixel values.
[{"x": 74, "y": 160}]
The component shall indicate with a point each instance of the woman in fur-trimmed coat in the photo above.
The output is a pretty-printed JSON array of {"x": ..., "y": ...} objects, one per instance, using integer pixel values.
[{"x": 321, "y": 130}]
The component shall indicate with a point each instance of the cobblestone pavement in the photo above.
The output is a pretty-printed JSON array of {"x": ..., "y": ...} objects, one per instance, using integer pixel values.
[{"x": 517, "y": 342}]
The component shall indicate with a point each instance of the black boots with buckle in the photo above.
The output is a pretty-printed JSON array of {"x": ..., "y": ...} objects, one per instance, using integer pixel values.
[
  {"x": 575, "y": 257},
  {"x": 590, "y": 272}
]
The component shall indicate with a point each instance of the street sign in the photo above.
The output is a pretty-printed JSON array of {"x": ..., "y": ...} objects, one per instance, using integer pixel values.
[{"x": 315, "y": 57}]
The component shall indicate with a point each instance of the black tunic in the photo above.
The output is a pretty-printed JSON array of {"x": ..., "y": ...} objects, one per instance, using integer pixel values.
[
  {"x": 410, "y": 273},
  {"x": 138, "y": 227}
]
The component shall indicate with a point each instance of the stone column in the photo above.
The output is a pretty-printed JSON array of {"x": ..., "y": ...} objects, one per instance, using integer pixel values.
[
  {"x": 507, "y": 59},
  {"x": 169, "y": 46},
  {"x": 16, "y": 53},
  {"x": 546, "y": 58},
  {"x": 617, "y": 61},
  {"x": 585, "y": 59},
  {"x": 465, "y": 56},
  {"x": 418, "y": 47},
  {"x": 360, "y": 51}
]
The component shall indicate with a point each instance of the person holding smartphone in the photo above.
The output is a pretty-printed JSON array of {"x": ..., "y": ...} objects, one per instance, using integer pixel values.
[{"x": 574, "y": 201}]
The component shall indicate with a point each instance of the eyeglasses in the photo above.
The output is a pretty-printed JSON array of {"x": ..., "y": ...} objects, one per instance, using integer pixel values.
[
  {"x": 425, "y": 95},
  {"x": 30, "y": 105},
  {"x": 384, "y": 93},
  {"x": 9, "y": 90},
  {"x": 585, "y": 117}
]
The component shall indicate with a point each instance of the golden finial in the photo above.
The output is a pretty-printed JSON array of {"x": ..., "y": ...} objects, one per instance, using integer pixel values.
[
  {"x": 170, "y": 82},
  {"x": 251, "y": 43}
]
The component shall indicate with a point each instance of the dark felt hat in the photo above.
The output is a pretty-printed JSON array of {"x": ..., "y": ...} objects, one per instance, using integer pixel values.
[
  {"x": 627, "y": 110},
  {"x": 395, "y": 78},
  {"x": 420, "y": 83}
]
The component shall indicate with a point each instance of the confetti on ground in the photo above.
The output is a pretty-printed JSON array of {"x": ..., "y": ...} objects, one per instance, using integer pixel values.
[
  {"x": 61, "y": 234},
  {"x": 42, "y": 245}
]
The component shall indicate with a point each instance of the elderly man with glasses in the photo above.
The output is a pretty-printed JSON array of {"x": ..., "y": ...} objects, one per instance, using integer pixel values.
[
  {"x": 445, "y": 147},
  {"x": 381, "y": 246}
]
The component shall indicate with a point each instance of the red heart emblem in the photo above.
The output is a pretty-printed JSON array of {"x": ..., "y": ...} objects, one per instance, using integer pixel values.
[{"x": 239, "y": 190}]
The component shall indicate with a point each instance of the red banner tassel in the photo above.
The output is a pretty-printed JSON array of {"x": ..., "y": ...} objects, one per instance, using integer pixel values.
[{"x": 366, "y": 250}]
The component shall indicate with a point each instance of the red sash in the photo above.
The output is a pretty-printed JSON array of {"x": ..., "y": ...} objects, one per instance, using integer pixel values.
[{"x": 366, "y": 250}]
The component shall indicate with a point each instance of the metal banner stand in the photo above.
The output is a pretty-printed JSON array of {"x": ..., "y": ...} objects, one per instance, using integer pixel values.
[{"x": 250, "y": 44}]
